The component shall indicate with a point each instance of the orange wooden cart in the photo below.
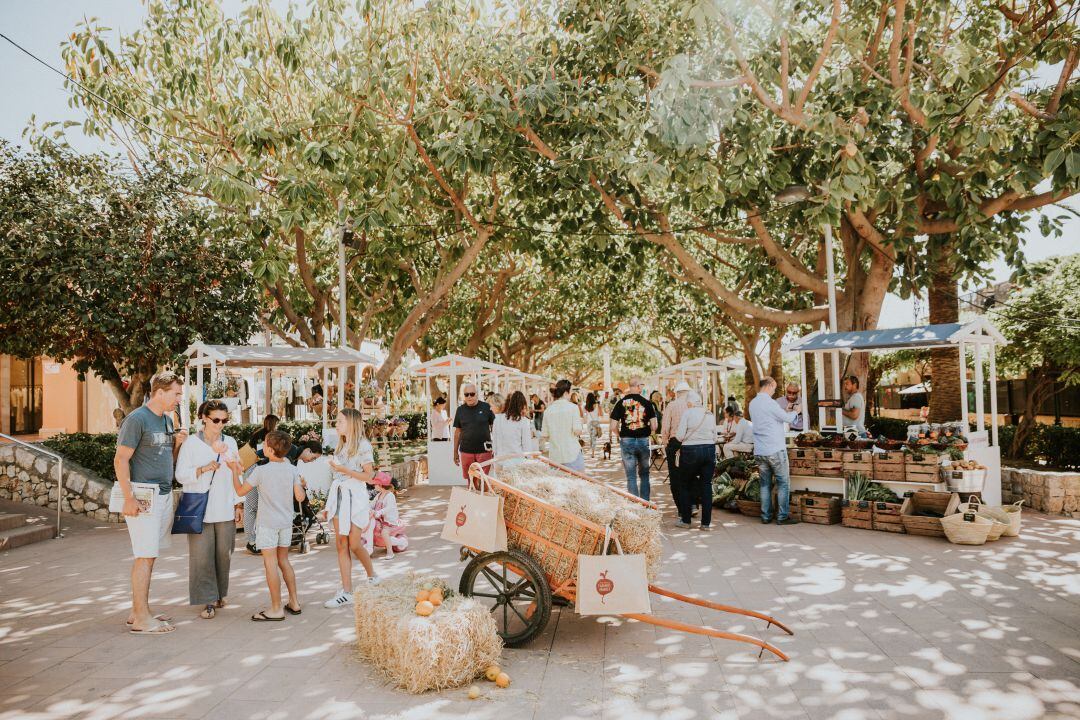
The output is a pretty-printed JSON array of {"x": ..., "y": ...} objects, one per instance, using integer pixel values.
[{"x": 539, "y": 568}]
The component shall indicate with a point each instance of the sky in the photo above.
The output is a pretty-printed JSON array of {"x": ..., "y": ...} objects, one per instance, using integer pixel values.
[{"x": 29, "y": 88}]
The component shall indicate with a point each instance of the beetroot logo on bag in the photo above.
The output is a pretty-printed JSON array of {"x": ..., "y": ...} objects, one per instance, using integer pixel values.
[
  {"x": 461, "y": 518},
  {"x": 604, "y": 586}
]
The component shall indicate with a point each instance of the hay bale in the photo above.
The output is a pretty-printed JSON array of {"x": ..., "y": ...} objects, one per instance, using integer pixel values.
[
  {"x": 637, "y": 526},
  {"x": 447, "y": 649}
]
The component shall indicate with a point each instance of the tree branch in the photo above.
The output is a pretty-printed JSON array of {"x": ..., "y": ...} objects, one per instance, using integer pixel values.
[{"x": 826, "y": 46}]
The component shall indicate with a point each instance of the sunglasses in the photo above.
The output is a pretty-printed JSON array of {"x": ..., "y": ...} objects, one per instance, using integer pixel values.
[
  {"x": 217, "y": 421},
  {"x": 470, "y": 394}
]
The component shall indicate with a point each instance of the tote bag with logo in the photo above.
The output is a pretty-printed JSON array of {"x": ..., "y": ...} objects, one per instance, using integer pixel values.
[
  {"x": 475, "y": 519},
  {"x": 612, "y": 584}
]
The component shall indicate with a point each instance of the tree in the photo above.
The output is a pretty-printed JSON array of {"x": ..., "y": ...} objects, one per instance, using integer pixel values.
[
  {"x": 1041, "y": 325},
  {"x": 112, "y": 271}
]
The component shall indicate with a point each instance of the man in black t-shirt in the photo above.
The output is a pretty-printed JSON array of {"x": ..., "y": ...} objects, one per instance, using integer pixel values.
[
  {"x": 472, "y": 430},
  {"x": 633, "y": 420}
]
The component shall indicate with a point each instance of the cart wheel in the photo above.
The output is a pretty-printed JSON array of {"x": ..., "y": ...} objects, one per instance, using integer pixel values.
[
  {"x": 322, "y": 539},
  {"x": 304, "y": 547},
  {"x": 515, "y": 586}
]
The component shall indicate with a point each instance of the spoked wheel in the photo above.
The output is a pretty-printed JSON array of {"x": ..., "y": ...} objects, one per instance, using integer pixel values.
[{"x": 514, "y": 585}]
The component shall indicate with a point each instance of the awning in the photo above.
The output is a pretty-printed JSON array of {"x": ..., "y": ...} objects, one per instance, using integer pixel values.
[
  {"x": 256, "y": 356},
  {"x": 699, "y": 365},
  {"x": 979, "y": 330},
  {"x": 920, "y": 389}
]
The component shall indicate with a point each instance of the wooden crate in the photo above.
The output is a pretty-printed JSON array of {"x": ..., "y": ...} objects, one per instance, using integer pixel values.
[
  {"x": 886, "y": 517},
  {"x": 920, "y": 467},
  {"x": 821, "y": 509},
  {"x": 857, "y": 514},
  {"x": 889, "y": 466},
  {"x": 861, "y": 461},
  {"x": 795, "y": 503},
  {"x": 940, "y": 502},
  {"x": 802, "y": 461},
  {"x": 830, "y": 462}
]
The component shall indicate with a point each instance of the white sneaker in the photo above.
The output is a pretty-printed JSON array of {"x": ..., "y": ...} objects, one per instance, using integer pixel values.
[
  {"x": 374, "y": 580},
  {"x": 340, "y": 600}
]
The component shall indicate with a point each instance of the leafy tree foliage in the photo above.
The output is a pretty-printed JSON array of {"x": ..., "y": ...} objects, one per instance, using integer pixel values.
[{"x": 112, "y": 271}]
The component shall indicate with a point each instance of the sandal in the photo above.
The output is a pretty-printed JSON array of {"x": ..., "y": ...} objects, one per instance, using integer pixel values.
[
  {"x": 208, "y": 612},
  {"x": 162, "y": 629},
  {"x": 261, "y": 616},
  {"x": 160, "y": 618},
  {"x": 220, "y": 604},
  {"x": 289, "y": 610}
]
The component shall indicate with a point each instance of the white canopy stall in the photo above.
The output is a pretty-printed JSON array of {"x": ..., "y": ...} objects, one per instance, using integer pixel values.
[
  {"x": 980, "y": 335},
  {"x": 268, "y": 359},
  {"x": 459, "y": 369},
  {"x": 701, "y": 370}
]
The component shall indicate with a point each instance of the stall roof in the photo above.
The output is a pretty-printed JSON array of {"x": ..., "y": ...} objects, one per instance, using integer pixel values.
[
  {"x": 698, "y": 364},
  {"x": 979, "y": 330},
  {"x": 460, "y": 365},
  {"x": 255, "y": 356}
]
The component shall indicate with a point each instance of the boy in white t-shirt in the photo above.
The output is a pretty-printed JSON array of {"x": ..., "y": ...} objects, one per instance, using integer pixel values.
[{"x": 279, "y": 484}]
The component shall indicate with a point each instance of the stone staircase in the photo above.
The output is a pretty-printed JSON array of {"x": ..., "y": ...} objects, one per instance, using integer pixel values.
[{"x": 18, "y": 529}]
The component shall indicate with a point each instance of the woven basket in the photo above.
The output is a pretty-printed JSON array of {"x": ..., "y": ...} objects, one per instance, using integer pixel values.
[
  {"x": 749, "y": 508},
  {"x": 1014, "y": 519},
  {"x": 1001, "y": 521},
  {"x": 966, "y": 528}
]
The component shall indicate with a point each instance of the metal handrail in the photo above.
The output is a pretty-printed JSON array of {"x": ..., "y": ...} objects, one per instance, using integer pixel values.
[{"x": 59, "y": 475}]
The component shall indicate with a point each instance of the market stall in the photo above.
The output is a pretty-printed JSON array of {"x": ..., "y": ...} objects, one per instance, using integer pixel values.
[
  {"x": 699, "y": 372},
  {"x": 979, "y": 337},
  {"x": 290, "y": 363},
  {"x": 458, "y": 369}
]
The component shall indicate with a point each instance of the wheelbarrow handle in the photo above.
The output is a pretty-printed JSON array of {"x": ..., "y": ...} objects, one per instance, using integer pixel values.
[
  {"x": 656, "y": 589},
  {"x": 700, "y": 630}
]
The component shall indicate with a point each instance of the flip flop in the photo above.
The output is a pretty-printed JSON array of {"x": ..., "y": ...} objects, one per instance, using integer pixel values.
[
  {"x": 160, "y": 618},
  {"x": 162, "y": 629},
  {"x": 291, "y": 611},
  {"x": 261, "y": 616}
]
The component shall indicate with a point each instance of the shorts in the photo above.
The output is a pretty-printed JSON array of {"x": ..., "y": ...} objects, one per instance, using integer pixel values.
[
  {"x": 269, "y": 538},
  {"x": 150, "y": 534}
]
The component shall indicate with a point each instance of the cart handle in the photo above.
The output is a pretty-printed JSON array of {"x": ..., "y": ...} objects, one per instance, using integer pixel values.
[
  {"x": 700, "y": 630},
  {"x": 656, "y": 589}
]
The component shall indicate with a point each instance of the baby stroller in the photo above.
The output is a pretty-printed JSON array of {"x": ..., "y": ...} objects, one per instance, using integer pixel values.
[{"x": 304, "y": 518}]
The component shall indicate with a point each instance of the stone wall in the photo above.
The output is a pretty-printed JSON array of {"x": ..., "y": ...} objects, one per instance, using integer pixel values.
[
  {"x": 30, "y": 477},
  {"x": 1057, "y": 493}
]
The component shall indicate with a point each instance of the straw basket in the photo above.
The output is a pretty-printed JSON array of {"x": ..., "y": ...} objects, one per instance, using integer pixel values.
[
  {"x": 967, "y": 528},
  {"x": 749, "y": 508},
  {"x": 1014, "y": 519},
  {"x": 1000, "y": 518}
]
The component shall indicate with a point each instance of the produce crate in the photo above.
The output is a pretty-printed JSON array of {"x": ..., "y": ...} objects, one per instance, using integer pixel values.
[
  {"x": 922, "y": 467},
  {"x": 857, "y": 514},
  {"x": 939, "y": 502},
  {"x": 820, "y": 509},
  {"x": 830, "y": 462},
  {"x": 861, "y": 461},
  {"x": 802, "y": 461},
  {"x": 886, "y": 517},
  {"x": 889, "y": 466},
  {"x": 795, "y": 503}
]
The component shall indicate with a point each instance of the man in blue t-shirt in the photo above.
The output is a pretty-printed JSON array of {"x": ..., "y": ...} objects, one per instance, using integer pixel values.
[{"x": 146, "y": 449}]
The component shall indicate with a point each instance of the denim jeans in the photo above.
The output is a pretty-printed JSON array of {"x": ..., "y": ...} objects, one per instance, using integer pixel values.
[
  {"x": 774, "y": 468},
  {"x": 696, "y": 466},
  {"x": 635, "y": 462}
]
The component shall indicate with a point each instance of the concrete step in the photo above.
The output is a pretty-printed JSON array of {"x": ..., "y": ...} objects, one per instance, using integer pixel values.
[
  {"x": 10, "y": 521},
  {"x": 17, "y": 537}
]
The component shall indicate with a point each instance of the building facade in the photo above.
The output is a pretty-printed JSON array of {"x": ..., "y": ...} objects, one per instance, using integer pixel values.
[{"x": 41, "y": 397}]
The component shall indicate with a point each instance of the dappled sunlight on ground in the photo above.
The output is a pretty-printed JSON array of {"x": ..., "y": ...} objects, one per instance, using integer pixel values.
[{"x": 886, "y": 626}]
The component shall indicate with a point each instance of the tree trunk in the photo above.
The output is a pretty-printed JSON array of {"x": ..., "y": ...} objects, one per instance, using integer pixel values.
[
  {"x": 944, "y": 363},
  {"x": 1044, "y": 388}
]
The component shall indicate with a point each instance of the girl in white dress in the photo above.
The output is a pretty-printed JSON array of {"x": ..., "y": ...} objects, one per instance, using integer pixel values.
[
  {"x": 348, "y": 504},
  {"x": 512, "y": 432}
]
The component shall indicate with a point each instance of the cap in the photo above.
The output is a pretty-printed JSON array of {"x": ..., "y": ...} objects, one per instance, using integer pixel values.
[
  {"x": 682, "y": 386},
  {"x": 382, "y": 478}
]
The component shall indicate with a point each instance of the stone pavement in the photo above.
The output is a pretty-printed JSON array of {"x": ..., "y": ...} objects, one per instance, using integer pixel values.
[{"x": 887, "y": 626}]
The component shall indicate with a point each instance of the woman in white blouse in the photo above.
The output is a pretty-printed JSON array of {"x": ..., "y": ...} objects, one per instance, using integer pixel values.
[
  {"x": 439, "y": 421},
  {"x": 512, "y": 432},
  {"x": 202, "y": 466},
  {"x": 697, "y": 459}
]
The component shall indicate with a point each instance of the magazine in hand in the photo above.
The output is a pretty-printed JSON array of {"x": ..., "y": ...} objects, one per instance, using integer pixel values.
[{"x": 145, "y": 494}]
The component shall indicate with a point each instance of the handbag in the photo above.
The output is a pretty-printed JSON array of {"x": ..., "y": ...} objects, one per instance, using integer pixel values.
[{"x": 190, "y": 512}]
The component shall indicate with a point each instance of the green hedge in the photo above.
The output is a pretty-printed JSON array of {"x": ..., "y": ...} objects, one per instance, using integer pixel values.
[
  {"x": 243, "y": 432},
  {"x": 93, "y": 452},
  {"x": 1050, "y": 445}
]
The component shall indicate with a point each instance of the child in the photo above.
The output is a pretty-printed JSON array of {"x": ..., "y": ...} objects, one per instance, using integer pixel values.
[
  {"x": 389, "y": 530},
  {"x": 279, "y": 483},
  {"x": 348, "y": 504}
]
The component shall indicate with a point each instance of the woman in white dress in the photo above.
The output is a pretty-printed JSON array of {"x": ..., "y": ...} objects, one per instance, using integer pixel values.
[
  {"x": 203, "y": 466},
  {"x": 593, "y": 421},
  {"x": 439, "y": 421},
  {"x": 348, "y": 505},
  {"x": 512, "y": 433}
]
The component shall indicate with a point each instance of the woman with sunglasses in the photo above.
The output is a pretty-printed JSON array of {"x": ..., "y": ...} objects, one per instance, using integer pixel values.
[{"x": 207, "y": 462}]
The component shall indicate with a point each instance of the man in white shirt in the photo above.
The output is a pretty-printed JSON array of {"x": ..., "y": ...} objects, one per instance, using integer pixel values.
[
  {"x": 770, "y": 451},
  {"x": 743, "y": 439},
  {"x": 855, "y": 408},
  {"x": 562, "y": 427}
]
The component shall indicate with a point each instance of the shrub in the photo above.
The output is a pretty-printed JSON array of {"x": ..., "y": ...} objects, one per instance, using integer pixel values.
[
  {"x": 93, "y": 452},
  {"x": 1051, "y": 445}
]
